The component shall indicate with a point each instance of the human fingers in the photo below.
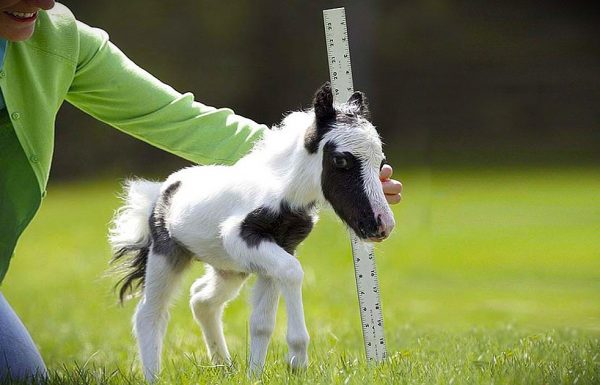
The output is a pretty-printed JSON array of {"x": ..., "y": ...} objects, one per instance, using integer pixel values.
[
  {"x": 392, "y": 190},
  {"x": 393, "y": 199},
  {"x": 391, "y": 187},
  {"x": 385, "y": 172}
]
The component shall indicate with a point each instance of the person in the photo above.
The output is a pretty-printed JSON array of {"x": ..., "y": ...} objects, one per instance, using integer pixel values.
[{"x": 47, "y": 57}]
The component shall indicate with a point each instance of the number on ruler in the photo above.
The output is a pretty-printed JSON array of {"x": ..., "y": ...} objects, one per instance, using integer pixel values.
[{"x": 364, "y": 262}]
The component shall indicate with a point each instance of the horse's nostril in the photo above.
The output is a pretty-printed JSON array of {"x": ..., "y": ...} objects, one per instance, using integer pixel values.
[{"x": 380, "y": 227}]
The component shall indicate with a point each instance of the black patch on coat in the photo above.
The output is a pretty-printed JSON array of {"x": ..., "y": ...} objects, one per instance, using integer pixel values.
[
  {"x": 312, "y": 138},
  {"x": 161, "y": 243},
  {"x": 285, "y": 227},
  {"x": 325, "y": 115},
  {"x": 344, "y": 190}
]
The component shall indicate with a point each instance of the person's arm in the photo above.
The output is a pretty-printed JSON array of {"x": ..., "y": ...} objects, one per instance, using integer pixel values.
[{"x": 110, "y": 87}]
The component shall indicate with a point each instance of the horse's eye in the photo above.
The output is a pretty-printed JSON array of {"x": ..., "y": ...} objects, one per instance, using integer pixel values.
[{"x": 340, "y": 162}]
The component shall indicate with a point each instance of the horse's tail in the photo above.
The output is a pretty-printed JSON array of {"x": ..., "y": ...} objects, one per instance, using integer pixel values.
[{"x": 130, "y": 236}]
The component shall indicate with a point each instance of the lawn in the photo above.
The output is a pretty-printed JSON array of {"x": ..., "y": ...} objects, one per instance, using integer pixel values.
[{"x": 490, "y": 277}]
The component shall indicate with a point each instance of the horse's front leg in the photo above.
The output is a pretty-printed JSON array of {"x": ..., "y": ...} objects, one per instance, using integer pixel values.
[
  {"x": 297, "y": 335},
  {"x": 265, "y": 298},
  {"x": 265, "y": 258},
  {"x": 287, "y": 276}
]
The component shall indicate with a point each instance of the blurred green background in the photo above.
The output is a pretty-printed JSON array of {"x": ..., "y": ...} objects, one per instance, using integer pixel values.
[
  {"x": 470, "y": 82},
  {"x": 490, "y": 114}
]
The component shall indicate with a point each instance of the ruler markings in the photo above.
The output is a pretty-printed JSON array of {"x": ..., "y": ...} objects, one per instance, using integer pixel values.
[{"x": 367, "y": 284}]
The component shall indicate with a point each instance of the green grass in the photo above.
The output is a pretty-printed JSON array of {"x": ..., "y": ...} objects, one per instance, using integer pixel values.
[{"x": 491, "y": 277}]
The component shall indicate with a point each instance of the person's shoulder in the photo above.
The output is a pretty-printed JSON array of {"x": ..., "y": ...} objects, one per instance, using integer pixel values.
[
  {"x": 60, "y": 16},
  {"x": 56, "y": 33}
]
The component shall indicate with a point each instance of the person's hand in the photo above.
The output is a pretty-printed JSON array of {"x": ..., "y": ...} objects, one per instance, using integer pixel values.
[{"x": 391, "y": 188}]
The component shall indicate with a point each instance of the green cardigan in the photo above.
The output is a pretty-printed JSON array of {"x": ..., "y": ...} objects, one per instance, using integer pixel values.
[{"x": 68, "y": 60}]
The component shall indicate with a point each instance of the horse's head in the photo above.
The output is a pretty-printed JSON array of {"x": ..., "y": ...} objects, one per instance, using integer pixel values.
[{"x": 352, "y": 157}]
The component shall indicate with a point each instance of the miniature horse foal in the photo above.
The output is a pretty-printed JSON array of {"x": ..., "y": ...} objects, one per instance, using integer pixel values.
[{"x": 248, "y": 219}]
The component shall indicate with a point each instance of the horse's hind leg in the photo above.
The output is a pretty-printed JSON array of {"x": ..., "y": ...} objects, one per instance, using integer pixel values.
[
  {"x": 162, "y": 277},
  {"x": 209, "y": 295}
]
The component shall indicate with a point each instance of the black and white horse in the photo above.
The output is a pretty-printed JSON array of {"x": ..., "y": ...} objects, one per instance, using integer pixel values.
[{"x": 248, "y": 219}]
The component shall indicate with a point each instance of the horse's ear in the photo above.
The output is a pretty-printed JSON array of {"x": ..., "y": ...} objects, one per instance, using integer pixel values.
[
  {"x": 324, "y": 115},
  {"x": 323, "y": 103},
  {"x": 359, "y": 100}
]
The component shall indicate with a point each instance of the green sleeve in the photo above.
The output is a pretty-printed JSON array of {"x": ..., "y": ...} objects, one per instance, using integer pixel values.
[{"x": 113, "y": 89}]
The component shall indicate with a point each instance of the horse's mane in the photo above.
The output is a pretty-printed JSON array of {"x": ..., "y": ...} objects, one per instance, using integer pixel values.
[{"x": 283, "y": 138}]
